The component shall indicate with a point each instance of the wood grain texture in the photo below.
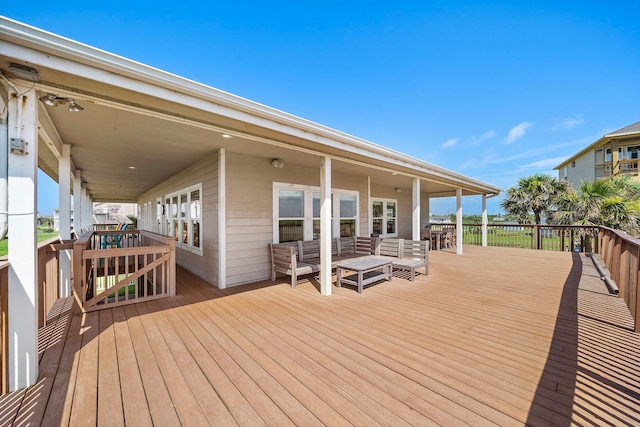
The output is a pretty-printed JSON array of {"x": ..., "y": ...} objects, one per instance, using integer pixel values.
[{"x": 492, "y": 337}]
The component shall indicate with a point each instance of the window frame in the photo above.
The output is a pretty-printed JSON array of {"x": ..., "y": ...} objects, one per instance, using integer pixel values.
[
  {"x": 177, "y": 218},
  {"x": 308, "y": 217},
  {"x": 384, "y": 217}
]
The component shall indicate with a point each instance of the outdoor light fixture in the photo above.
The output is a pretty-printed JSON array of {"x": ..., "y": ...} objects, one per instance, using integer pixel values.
[
  {"x": 277, "y": 163},
  {"x": 52, "y": 100},
  {"x": 226, "y": 135},
  {"x": 397, "y": 190},
  {"x": 24, "y": 72}
]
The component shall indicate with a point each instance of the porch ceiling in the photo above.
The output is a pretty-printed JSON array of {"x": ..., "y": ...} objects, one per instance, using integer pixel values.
[{"x": 138, "y": 117}]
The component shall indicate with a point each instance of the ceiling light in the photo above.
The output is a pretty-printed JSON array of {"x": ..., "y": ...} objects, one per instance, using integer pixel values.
[
  {"x": 277, "y": 163},
  {"x": 226, "y": 135},
  {"x": 24, "y": 71},
  {"x": 49, "y": 99},
  {"x": 73, "y": 107},
  {"x": 53, "y": 100},
  {"x": 132, "y": 167}
]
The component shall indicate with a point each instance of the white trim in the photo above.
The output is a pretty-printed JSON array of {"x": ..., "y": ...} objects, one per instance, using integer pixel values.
[
  {"x": 485, "y": 220},
  {"x": 384, "y": 215},
  {"x": 308, "y": 217},
  {"x": 187, "y": 220},
  {"x": 459, "y": 221},
  {"x": 369, "y": 208},
  {"x": 325, "y": 226},
  {"x": 22, "y": 333},
  {"x": 415, "y": 224},
  {"x": 222, "y": 218},
  {"x": 65, "y": 55},
  {"x": 64, "y": 219}
]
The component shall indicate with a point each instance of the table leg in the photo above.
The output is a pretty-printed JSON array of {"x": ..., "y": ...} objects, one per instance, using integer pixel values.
[
  {"x": 360, "y": 278},
  {"x": 339, "y": 277}
]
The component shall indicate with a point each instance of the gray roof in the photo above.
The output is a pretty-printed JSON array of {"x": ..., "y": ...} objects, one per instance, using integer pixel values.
[{"x": 634, "y": 128}]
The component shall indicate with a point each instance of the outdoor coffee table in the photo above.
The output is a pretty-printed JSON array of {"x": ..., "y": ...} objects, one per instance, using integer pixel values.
[{"x": 364, "y": 271}]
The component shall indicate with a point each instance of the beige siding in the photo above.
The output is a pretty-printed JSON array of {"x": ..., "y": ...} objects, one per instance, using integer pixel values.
[
  {"x": 206, "y": 172},
  {"x": 584, "y": 170},
  {"x": 250, "y": 210}
]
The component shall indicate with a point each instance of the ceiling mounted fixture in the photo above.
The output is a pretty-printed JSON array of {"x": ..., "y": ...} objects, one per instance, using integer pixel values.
[
  {"x": 53, "y": 100},
  {"x": 277, "y": 163},
  {"x": 226, "y": 135},
  {"x": 24, "y": 71}
]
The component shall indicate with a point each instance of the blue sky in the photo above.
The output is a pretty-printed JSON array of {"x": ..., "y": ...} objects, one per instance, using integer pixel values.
[{"x": 494, "y": 90}]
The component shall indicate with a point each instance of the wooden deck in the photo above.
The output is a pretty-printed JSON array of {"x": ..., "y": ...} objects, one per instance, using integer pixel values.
[{"x": 492, "y": 337}]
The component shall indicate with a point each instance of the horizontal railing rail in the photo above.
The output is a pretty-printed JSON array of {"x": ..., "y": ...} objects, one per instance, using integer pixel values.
[
  {"x": 115, "y": 268},
  {"x": 530, "y": 236}
]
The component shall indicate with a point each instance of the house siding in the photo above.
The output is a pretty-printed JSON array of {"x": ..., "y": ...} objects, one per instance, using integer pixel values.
[
  {"x": 205, "y": 172},
  {"x": 584, "y": 170}
]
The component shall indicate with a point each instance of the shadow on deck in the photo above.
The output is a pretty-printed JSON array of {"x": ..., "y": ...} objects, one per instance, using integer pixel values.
[{"x": 493, "y": 337}]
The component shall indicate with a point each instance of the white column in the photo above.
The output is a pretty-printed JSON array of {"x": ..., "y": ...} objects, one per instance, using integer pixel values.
[
  {"x": 415, "y": 226},
  {"x": 369, "y": 208},
  {"x": 64, "y": 206},
  {"x": 325, "y": 226},
  {"x": 23, "y": 270},
  {"x": 485, "y": 220},
  {"x": 86, "y": 219},
  {"x": 222, "y": 218},
  {"x": 459, "y": 221},
  {"x": 78, "y": 213}
]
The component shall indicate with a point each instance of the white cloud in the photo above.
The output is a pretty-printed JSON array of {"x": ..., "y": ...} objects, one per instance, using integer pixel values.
[
  {"x": 568, "y": 123},
  {"x": 544, "y": 164},
  {"x": 518, "y": 132},
  {"x": 477, "y": 140},
  {"x": 450, "y": 142}
]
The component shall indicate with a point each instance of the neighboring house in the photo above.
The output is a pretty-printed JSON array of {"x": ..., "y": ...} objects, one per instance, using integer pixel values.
[
  {"x": 616, "y": 153},
  {"x": 114, "y": 213},
  {"x": 224, "y": 175}
]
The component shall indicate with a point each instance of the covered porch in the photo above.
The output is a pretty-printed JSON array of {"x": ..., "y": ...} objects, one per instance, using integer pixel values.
[{"x": 497, "y": 337}]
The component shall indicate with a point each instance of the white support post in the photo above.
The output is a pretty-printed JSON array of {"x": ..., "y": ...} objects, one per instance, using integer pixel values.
[
  {"x": 64, "y": 208},
  {"x": 78, "y": 212},
  {"x": 325, "y": 226},
  {"x": 23, "y": 269},
  {"x": 459, "y": 221},
  {"x": 87, "y": 218},
  {"x": 426, "y": 212},
  {"x": 369, "y": 209},
  {"x": 222, "y": 218},
  {"x": 415, "y": 227},
  {"x": 485, "y": 220}
]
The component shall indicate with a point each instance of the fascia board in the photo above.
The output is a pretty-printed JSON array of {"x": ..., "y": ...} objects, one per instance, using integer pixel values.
[
  {"x": 602, "y": 141},
  {"x": 85, "y": 61}
]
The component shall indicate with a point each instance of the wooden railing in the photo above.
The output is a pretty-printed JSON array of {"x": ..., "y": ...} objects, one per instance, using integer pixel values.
[
  {"x": 545, "y": 237},
  {"x": 48, "y": 292},
  {"x": 113, "y": 268},
  {"x": 621, "y": 254}
]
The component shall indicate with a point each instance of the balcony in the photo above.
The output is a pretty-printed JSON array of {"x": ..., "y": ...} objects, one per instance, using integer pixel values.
[{"x": 495, "y": 336}]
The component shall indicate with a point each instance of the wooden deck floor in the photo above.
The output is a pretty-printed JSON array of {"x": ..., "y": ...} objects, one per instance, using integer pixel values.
[{"x": 493, "y": 337}]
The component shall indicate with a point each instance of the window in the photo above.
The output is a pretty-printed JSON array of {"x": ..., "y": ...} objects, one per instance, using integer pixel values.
[
  {"x": 384, "y": 217},
  {"x": 573, "y": 164},
  {"x": 297, "y": 213},
  {"x": 291, "y": 215},
  {"x": 183, "y": 217}
]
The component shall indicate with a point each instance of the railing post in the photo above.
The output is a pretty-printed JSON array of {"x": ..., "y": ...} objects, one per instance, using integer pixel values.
[{"x": 536, "y": 237}]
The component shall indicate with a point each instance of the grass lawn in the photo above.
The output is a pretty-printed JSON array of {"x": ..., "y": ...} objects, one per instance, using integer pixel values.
[{"x": 43, "y": 234}]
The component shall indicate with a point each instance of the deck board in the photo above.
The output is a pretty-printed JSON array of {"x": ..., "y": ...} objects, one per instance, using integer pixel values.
[{"x": 493, "y": 337}]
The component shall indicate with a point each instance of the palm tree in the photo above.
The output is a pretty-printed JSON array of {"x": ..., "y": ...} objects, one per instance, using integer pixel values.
[
  {"x": 535, "y": 194},
  {"x": 613, "y": 202}
]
